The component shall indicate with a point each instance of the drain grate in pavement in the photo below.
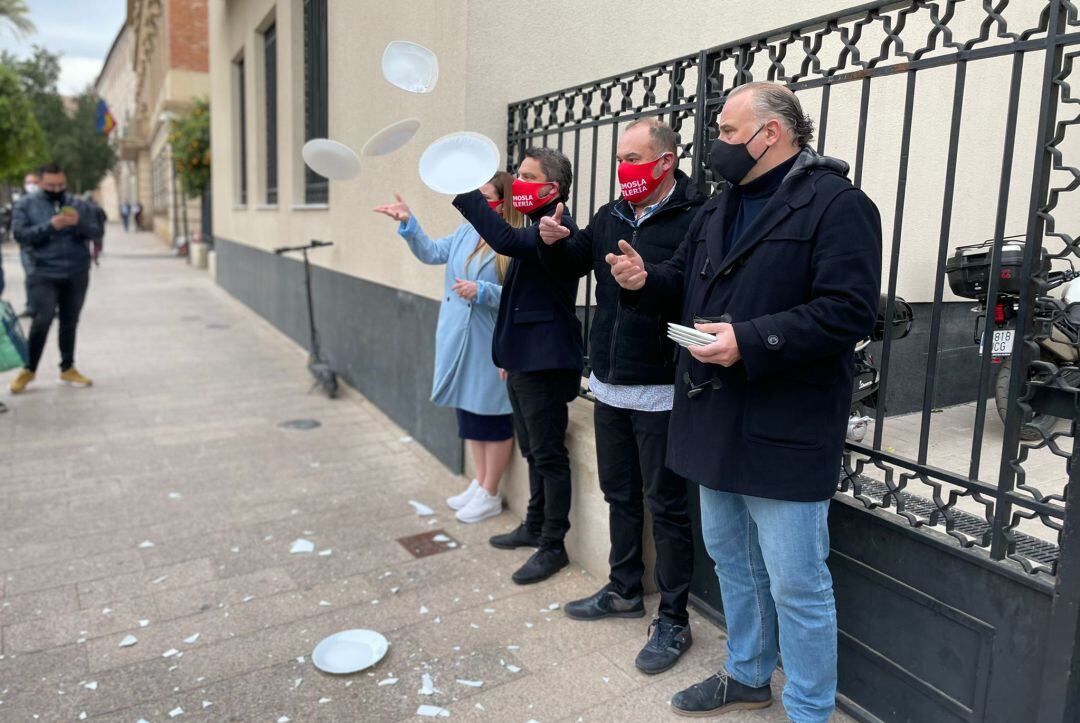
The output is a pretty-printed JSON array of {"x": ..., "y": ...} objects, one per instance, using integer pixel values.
[
  {"x": 428, "y": 543},
  {"x": 302, "y": 424}
]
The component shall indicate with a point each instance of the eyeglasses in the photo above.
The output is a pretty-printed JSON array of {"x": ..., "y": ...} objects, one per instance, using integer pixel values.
[{"x": 697, "y": 389}]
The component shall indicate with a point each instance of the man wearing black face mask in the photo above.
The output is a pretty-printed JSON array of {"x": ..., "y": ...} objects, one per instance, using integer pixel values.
[
  {"x": 57, "y": 231},
  {"x": 783, "y": 266}
]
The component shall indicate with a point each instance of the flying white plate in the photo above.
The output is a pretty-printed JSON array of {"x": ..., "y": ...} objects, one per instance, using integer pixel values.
[
  {"x": 410, "y": 66},
  {"x": 391, "y": 138},
  {"x": 459, "y": 162},
  {"x": 331, "y": 159},
  {"x": 349, "y": 651}
]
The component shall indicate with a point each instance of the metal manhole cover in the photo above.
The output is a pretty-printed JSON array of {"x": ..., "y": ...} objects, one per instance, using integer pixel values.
[
  {"x": 301, "y": 424},
  {"x": 426, "y": 544}
]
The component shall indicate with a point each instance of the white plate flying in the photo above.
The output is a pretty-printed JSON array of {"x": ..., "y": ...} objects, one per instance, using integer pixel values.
[
  {"x": 349, "y": 651},
  {"x": 391, "y": 138},
  {"x": 331, "y": 159},
  {"x": 459, "y": 162},
  {"x": 410, "y": 66}
]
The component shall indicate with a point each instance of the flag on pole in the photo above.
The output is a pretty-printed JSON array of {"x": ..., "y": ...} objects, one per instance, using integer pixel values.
[{"x": 105, "y": 120}]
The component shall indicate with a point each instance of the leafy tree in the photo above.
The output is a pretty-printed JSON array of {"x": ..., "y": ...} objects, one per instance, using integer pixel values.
[
  {"x": 21, "y": 140},
  {"x": 190, "y": 141},
  {"x": 70, "y": 138},
  {"x": 16, "y": 16}
]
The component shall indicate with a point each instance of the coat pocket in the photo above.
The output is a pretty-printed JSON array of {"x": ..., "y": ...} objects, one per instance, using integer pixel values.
[
  {"x": 789, "y": 413},
  {"x": 533, "y": 317}
]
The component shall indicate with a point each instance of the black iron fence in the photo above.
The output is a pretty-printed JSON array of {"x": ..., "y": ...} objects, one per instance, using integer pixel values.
[{"x": 965, "y": 106}]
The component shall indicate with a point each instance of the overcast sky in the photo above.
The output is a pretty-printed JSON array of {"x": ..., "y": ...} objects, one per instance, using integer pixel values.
[{"x": 80, "y": 30}]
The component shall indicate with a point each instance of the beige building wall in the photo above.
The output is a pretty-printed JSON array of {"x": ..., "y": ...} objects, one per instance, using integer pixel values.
[{"x": 490, "y": 56}]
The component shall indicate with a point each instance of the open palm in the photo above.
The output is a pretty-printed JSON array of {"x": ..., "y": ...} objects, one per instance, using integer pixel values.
[{"x": 398, "y": 211}]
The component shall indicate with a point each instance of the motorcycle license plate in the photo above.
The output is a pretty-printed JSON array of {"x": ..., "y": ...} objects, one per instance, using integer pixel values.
[{"x": 1002, "y": 342}]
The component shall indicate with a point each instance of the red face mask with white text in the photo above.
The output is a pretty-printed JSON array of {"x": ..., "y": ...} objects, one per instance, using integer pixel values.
[
  {"x": 636, "y": 179},
  {"x": 496, "y": 205},
  {"x": 527, "y": 196}
]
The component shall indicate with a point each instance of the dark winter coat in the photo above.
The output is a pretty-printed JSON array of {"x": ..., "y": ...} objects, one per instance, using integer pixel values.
[{"x": 801, "y": 288}]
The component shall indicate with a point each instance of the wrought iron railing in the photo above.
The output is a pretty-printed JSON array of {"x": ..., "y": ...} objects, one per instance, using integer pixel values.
[{"x": 836, "y": 64}]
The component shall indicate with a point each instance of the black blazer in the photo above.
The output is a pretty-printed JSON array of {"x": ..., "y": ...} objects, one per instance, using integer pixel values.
[
  {"x": 537, "y": 326},
  {"x": 802, "y": 287}
]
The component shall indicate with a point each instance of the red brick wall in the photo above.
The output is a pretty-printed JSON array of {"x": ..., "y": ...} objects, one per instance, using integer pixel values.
[{"x": 188, "y": 35}]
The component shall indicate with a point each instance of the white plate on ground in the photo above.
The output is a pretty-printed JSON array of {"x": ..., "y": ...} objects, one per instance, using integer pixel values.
[
  {"x": 391, "y": 138},
  {"x": 331, "y": 159},
  {"x": 349, "y": 651},
  {"x": 410, "y": 66},
  {"x": 459, "y": 163}
]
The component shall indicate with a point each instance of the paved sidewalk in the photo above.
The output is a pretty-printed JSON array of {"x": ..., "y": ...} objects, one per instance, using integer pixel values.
[{"x": 162, "y": 504}]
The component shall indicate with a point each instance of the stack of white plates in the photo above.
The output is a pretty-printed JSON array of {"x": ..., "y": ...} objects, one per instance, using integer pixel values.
[{"x": 688, "y": 336}]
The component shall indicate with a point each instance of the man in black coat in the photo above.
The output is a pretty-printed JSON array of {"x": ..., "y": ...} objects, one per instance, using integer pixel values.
[
  {"x": 537, "y": 341},
  {"x": 633, "y": 374},
  {"x": 784, "y": 267}
]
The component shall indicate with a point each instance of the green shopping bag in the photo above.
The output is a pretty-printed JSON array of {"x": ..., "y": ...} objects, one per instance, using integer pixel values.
[{"x": 13, "y": 351}]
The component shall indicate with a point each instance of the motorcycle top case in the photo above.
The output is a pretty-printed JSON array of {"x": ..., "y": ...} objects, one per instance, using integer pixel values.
[{"x": 969, "y": 269}]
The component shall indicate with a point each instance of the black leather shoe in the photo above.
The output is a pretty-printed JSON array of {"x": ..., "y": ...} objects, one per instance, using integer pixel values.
[
  {"x": 521, "y": 537},
  {"x": 718, "y": 694},
  {"x": 667, "y": 643},
  {"x": 543, "y": 564},
  {"x": 605, "y": 604}
]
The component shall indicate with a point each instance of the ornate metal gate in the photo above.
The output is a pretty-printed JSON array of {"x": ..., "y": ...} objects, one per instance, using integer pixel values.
[{"x": 957, "y": 573}]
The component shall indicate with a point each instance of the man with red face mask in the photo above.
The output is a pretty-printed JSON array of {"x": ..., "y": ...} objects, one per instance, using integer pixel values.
[
  {"x": 633, "y": 374},
  {"x": 537, "y": 341}
]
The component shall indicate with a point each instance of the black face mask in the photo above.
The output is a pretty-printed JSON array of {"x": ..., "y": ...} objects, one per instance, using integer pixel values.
[
  {"x": 55, "y": 196},
  {"x": 732, "y": 161}
]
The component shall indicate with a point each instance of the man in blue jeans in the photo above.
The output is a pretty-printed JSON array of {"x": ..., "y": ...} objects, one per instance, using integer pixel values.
[{"x": 783, "y": 266}]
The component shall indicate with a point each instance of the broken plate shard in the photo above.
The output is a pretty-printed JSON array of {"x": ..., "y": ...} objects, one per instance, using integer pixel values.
[
  {"x": 421, "y": 509},
  {"x": 513, "y": 668},
  {"x": 191, "y": 639},
  {"x": 145, "y": 544},
  {"x": 302, "y": 545},
  {"x": 324, "y": 603},
  {"x": 206, "y": 704},
  {"x": 432, "y": 711},
  {"x": 427, "y": 685},
  {"x": 143, "y": 623},
  {"x": 159, "y": 580},
  {"x": 441, "y": 538},
  {"x": 424, "y": 610},
  {"x": 471, "y": 683},
  {"x": 169, "y": 653},
  {"x": 92, "y": 685},
  {"x": 388, "y": 681},
  {"x": 175, "y": 712},
  {"x": 325, "y": 553},
  {"x": 128, "y": 641}
]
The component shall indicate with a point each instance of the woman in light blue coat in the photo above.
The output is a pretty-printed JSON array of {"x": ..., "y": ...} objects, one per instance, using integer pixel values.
[{"x": 465, "y": 377}]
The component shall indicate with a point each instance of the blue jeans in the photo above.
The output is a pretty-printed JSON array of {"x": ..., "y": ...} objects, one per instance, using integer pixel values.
[{"x": 770, "y": 561}]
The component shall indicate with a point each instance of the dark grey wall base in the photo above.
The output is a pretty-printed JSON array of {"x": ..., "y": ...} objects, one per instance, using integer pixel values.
[{"x": 378, "y": 339}]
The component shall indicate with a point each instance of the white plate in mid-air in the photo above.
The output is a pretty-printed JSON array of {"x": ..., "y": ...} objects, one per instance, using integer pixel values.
[
  {"x": 459, "y": 162},
  {"x": 349, "y": 651},
  {"x": 331, "y": 159},
  {"x": 410, "y": 66},
  {"x": 391, "y": 138}
]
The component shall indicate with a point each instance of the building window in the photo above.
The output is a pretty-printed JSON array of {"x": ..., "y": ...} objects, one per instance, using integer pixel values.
[
  {"x": 316, "y": 123},
  {"x": 270, "y": 61},
  {"x": 159, "y": 179},
  {"x": 241, "y": 120}
]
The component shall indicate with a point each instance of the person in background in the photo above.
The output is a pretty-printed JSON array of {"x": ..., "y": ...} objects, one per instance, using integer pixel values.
[
  {"x": 538, "y": 342},
  {"x": 136, "y": 211},
  {"x": 633, "y": 373},
  {"x": 3, "y": 407},
  {"x": 465, "y": 377},
  {"x": 125, "y": 214},
  {"x": 56, "y": 229},
  {"x": 31, "y": 186},
  {"x": 783, "y": 266},
  {"x": 102, "y": 218}
]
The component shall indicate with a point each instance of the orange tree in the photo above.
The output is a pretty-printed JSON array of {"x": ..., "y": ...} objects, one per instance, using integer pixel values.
[{"x": 190, "y": 141}]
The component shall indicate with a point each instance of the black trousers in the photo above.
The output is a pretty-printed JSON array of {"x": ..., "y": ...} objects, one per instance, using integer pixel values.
[
  {"x": 630, "y": 449},
  {"x": 539, "y": 400},
  {"x": 47, "y": 296}
]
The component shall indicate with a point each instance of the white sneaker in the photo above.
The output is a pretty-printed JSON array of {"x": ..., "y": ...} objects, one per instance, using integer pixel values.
[
  {"x": 480, "y": 507},
  {"x": 457, "y": 502}
]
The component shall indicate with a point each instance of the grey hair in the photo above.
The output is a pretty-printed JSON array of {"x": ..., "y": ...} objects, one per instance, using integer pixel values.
[
  {"x": 556, "y": 168},
  {"x": 772, "y": 100},
  {"x": 661, "y": 137}
]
